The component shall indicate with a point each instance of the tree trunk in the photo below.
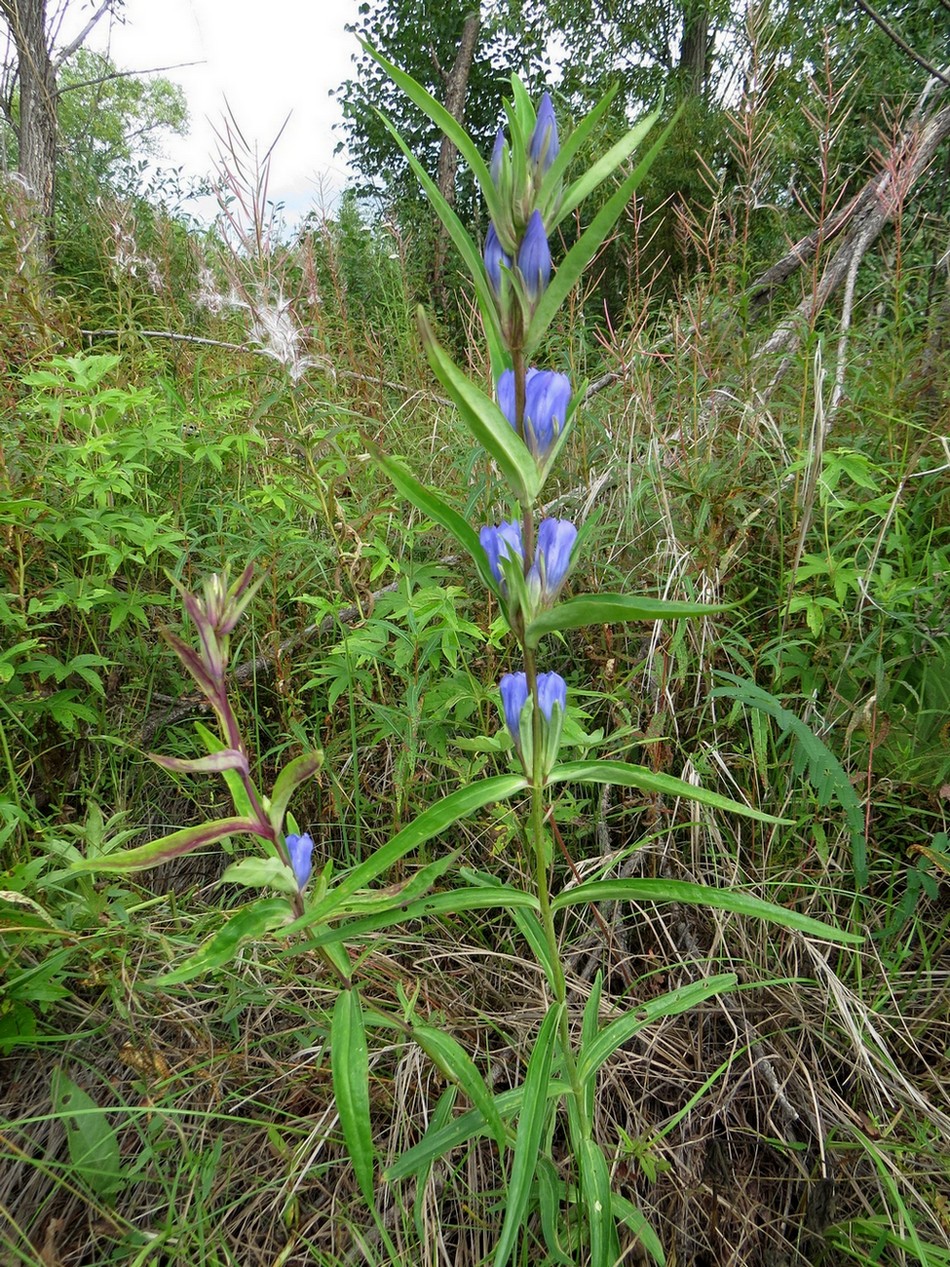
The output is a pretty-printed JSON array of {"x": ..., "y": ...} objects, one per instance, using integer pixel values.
[
  {"x": 36, "y": 126},
  {"x": 694, "y": 62},
  {"x": 455, "y": 93}
]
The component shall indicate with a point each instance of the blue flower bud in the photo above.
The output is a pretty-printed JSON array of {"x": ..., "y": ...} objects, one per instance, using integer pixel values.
[
  {"x": 514, "y": 696},
  {"x": 547, "y": 400},
  {"x": 497, "y": 158},
  {"x": 300, "y": 849},
  {"x": 552, "y": 559},
  {"x": 552, "y": 689},
  {"x": 503, "y": 542},
  {"x": 534, "y": 258},
  {"x": 495, "y": 260},
  {"x": 544, "y": 145}
]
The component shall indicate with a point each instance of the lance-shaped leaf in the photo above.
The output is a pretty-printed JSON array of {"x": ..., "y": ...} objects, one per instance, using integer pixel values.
[
  {"x": 434, "y": 508},
  {"x": 612, "y": 609},
  {"x": 237, "y": 786},
  {"x": 261, "y": 873},
  {"x": 449, "y": 1056},
  {"x": 623, "y": 775},
  {"x": 684, "y": 891},
  {"x": 465, "y": 247},
  {"x": 167, "y": 847},
  {"x": 605, "y": 165},
  {"x": 569, "y": 148},
  {"x": 349, "y": 1066},
  {"x": 485, "y": 420},
  {"x": 289, "y": 779},
  {"x": 214, "y": 763},
  {"x": 584, "y": 249},
  {"x": 251, "y": 921},
  {"x": 595, "y": 1186},
  {"x": 193, "y": 663}
]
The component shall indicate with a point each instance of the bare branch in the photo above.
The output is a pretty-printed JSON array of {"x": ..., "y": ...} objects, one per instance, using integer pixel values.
[
  {"x": 126, "y": 74},
  {"x": 104, "y": 8},
  {"x": 895, "y": 38}
]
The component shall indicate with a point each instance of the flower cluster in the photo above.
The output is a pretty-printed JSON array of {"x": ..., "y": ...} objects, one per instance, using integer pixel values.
[{"x": 529, "y": 567}]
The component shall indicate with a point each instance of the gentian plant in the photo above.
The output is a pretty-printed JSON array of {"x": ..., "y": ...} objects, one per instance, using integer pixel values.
[{"x": 523, "y": 422}]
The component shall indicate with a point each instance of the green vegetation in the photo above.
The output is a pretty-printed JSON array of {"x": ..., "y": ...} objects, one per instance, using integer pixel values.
[{"x": 182, "y": 1079}]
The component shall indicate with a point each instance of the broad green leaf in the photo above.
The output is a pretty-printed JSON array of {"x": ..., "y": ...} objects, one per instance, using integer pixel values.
[
  {"x": 599, "y": 1048},
  {"x": 585, "y": 248},
  {"x": 595, "y": 1186},
  {"x": 436, "y": 1143},
  {"x": 611, "y": 609},
  {"x": 646, "y": 890},
  {"x": 290, "y": 778},
  {"x": 251, "y": 921},
  {"x": 485, "y": 420},
  {"x": 93, "y": 1146},
  {"x": 433, "y": 507},
  {"x": 167, "y": 847},
  {"x": 466, "y": 248},
  {"x": 605, "y": 165},
  {"x": 349, "y": 1065},
  {"x": 623, "y": 775},
  {"x": 531, "y": 1119},
  {"x": 450, "y": 903},
  {"x": 461, "y": 804},
  {"x": 261, "y": 873},
  {"x": 628, "y": 1214},
  {"x": 449, "y": 1056}
]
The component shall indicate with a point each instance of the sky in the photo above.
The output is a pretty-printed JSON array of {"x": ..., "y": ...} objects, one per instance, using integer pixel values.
[{"x": 266, "y": 59}]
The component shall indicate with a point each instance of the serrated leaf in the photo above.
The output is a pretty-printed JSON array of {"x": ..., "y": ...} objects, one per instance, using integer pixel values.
[
  {"x": 251, "y": 921},
  {"x": 349, "y": 1066},
  {"x": 645, "y": 890}
]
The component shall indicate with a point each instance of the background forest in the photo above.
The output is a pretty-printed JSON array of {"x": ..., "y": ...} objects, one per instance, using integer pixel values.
[{"x": 762, "y": 349}]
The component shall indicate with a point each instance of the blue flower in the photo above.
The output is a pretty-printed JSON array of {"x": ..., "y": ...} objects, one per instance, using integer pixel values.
[
  {"x": 544, "y": 145},
  {"x": 552, "y": 689},
  {"x": 534, "y": 258},
  {"x": 514, "y": 696},
  {"x": 300, "y": 849},
  {"x": 547, "y": 399},
  {"x": 497, "y": 158},
  {"x": 495, "y": 259},
  {"x": 552, "y": 558},
  {"x": 503, "y": 542}
]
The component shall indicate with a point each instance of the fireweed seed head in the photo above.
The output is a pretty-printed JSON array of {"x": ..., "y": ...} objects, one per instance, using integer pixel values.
[
  {"x": 495, "y": 260},
  {"x": 552, "y": 560},
  {"x": 300, "y": 849},
  {"x": 514, "y": 696},
  {"x": 534, "y": 258},
  {"x": 544, "y": 146},
  {"x": 503, "y": 542}
]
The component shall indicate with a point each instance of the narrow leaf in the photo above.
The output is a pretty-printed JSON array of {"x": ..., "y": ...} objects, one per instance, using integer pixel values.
[
  {"x": 290, "y": 778},
  {"x": 528, "y": 1138},
  {"x": 612, "y": 609},
  {"x": 605, "y": 165},
  {"x": 595, "y": 1185},
  {"x": 251, "y": 921},
  {"x": 621, "y": 774},
  {"x": 236, "y": 785},
  {"x": 168, "y": 847},
  {"x": 485, "y": 420},
  {"x": 628, "y": 1214},
  {"x": 636, "y": 890},
  {"x": 449, "y": 1056},
  {"x": 349, "y": 1066},
  {"x": 214, "y": 763},
  {"x": 550, "y": 1193},
  {"x": 433, "y": 507}
]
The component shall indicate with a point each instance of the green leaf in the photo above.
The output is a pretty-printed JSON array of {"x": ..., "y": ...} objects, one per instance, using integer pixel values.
[
  {"x": 605, "y": 165},
  {"x": 167, "y": 847},
  {"x": 571, "y": 146},
  {"x": 290, "y": 778},
  {"x": 449, "y": 1056},
  {"x": 440, "y": 1118},
  {"x": 466, "y": 248},
  {"x": 461, "y": 804},
  {"x": 349, "y": 1065},
  {"x": 612, "y": 609},
  {"x": 550, "y": 1192},
  {"x": 526, "y": 918},
  {"x": 623, "y": 775},
  {"x": 93, "y": 1146},
  {"x": 261, "y": 873},
  {"x": 646, "y": 890},
  {"x": 585, "y": 248},
  {"x": 598, "y": 1048},
  {"x": 453, "y": 902},
  {"x": 432, "y": 506},
  {"x": 251, "y": 921},
  {"x": 531, "y": 1120},
  {"x": 595, "y": 1186},
  {"x": 485, "y": 420},
  {"x": 236, "y": 786},
  {"x": 628, "y": 1213},
  {"x": 590, "y": 1027}
]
